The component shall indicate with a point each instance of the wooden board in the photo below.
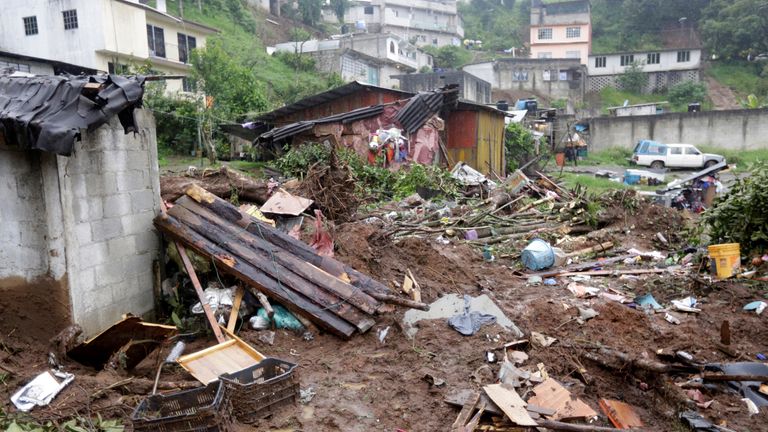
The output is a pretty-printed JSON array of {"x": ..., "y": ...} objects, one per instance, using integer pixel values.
[
  {"x": 621, "y": 414},
  {"x": 550, "y": 394},
  {"x": 231, "y": 356},
  {"x": 510, "y": 402}
]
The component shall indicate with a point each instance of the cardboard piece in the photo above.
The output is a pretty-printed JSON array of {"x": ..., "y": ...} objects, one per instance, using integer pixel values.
[
  {"x": 551, "y": 394},
  {"x": 283, "y": 203}
]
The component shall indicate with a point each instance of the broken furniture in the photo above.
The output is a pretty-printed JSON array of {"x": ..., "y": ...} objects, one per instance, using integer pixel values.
[
  {"x": 201, "y": 409},
  {"x": 261, "y": 390},
  {"x": 231, "y": 356}
]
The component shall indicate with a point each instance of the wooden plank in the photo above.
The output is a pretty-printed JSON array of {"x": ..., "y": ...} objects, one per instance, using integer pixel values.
[
  {"x": 510, "y": 402},
  {"x": 255, "y": 278},
  {"x": 283, "y": 240},
  {"x": 282, "y": 274},
  {"x": 231, "y": 356},
  {"x": 199, "y": 290},
  {"x": 472, "y": 425},
  {"x": 265, "y": 304},
  {"x": 235, "y": 309},
  {"x": 460, "y": 397},
  {"x": 416, "y": 288},
  {"x": 621, "y": 414},
  {"x": 312, "y": 273},
  {"x": 465, "y": 413}
]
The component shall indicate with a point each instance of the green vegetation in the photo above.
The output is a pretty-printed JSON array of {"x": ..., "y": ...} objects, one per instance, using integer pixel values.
[
  {"x": 616, "y": 156},
  {"x": 742, "y": 158},
  {"x": 735, "y": 28},
  {"x": 597, "y": 185},
  {"x": 501, "y": 25},
  {"x": 686, "y": 92},
  {"x": 24, "y": 423},
  {"x": 611, "y": 97},
  {"x": 449, "y": 56},
  {"x": 633, "y": 79},
  {"x": 741, "y": 216},
  {"x": 374, "y": 182},
  {"x": 519, "y": 145},
  {"x": 741, "y": 76}
]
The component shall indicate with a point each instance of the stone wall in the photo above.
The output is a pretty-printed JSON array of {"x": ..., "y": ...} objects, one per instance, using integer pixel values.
[
  {"x": 86, "y": 221},
  {"x": 732, "y": 129}
]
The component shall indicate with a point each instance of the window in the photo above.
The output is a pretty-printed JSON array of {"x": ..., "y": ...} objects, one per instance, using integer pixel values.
[
  {"x": 563, "y": 75},
  {"x": 654, "y": 58},
  {"x": 434, "y": 41},
  {"x": 691, "y": 151},
  {"x": 391, "y": 47},
  {"x": 30, "y": 25},
  {"x": 188, "y": 85},
  {"x": 519, "y": 75},
  {"x": 546, "y": 75},
  {"x": 545, "y": 33},
  {"x": 20, "y": 67},
  {"x": 675, "y": 150},
  {"x": 368, "y": 10},
  {"x": 627, "y": 59},
  {"x": 120, "y": 69},
  {"x": 599, "y": 62},
  {"x": 544, "y": 55},
  {"x": 70, "y": 19},
  {"x": 186, "y": 45},
  {"x": 683, "y": 56},
  {"x": 572, "y": 32},
  {"x": 572, "y": 54},
  {"x": 156, "y": 41}
]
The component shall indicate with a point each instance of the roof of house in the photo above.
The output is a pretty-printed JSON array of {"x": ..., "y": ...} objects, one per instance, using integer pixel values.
[
  {"x": 645, "y": 51},
  {"x": 324, "y": 97},
  {"x": 638, "y": 105},
  {"x": 48, "y": 112}
]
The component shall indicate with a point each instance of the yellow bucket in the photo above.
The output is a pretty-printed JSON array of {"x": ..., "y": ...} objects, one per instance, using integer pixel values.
[{"x": 725, "y": 259}]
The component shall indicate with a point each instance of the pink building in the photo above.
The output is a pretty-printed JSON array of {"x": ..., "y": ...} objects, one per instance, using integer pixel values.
[{"x": 561, "y": 30}]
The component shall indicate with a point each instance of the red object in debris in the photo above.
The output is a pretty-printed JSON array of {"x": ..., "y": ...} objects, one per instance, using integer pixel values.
[
  {"x": 621, "y": 414},
  {"x": 322, "y": 241}
]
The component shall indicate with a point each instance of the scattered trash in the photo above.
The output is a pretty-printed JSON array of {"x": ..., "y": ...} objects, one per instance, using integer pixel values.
[
  {"x": 550, "y": 281},
  {"x": 586, "y": 314},
  {"x": 761, "y": 356},
  {"x": 538, "y": 255},
  {"x": 647, "y": 301},
  {"x": 283, "y": 203},
  {"x": 41, "y": 390},
  {"x": 469, "y": 176},
  {"x": 697, "y": 422},
  {"x": 698, "y": 397},
  {"x": 581, "y": 278},
  {"x": 468, "y": 323},
  {"x": 757, "y": 306},
  {"x": 470, "y": 235},
  {"x": 490, "y": 357},
  {"x": 259, "y": 322},
  {"x": 383, "y": 334},
  {"x": 308, "y": 336},
  {"x": 551, "y": 394},
  {"x": 517, "y": 357},
  {"x": 541, "y": 340},
  {"x": 686, "y": 305},
  {"x": 306, "y": 395},
  {"x": 671, "y": 318},
  {"x": 511, "y": 375},
  {"x": 751, "y": 407},
  {"x": 535, "y": 280},
  {"x": 283, "y": 318},
  {"x": 511, "y": 403},
  {"x": 217, "y": 298},
  {"x": 582, "y": 291}
]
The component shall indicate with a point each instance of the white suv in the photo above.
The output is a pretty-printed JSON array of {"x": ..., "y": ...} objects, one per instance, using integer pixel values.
[{"x": 657, "y": 156}]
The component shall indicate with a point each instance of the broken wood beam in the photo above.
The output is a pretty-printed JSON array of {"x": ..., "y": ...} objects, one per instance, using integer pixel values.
[
  {"x": 193, "y": 214},
  {"x": 235, "y": 309},
  {"x": 255, "y": 278},
  {"x": 200, "y": 295},
  {"x": 574, "y": 427},
  {"x": 602, "y": 247},
  {"x": 283, "y": 240},
  {"x": 265, "y": 304},
  {"x": 393, "y": 299},
  {"x": 271, "y": 267}
]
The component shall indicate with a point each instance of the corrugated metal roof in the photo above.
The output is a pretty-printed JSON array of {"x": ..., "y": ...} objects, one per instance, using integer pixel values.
[
  {"x": 47, "y": 112},
  {"x": 424, "y": 105},
  {"x": 322, "y": 98},
  {"x": 293, "y": 129}
]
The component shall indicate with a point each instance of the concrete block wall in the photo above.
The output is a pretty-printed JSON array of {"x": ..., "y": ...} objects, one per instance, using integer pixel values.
[
  {"x": 731, "y": 129},
  {"x": 111, "y": 188},
  {"x": 23, "y": 231}
]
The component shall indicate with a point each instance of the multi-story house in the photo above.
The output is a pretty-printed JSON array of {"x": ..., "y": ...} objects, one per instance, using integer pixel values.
[
  {"x": 101, "y": 35},
  {"x": 423, "y": 22},
  {"x": 561, "y": 30},
  {"x": 367, "y": 58},
  {"x": 664, "y": 68}
]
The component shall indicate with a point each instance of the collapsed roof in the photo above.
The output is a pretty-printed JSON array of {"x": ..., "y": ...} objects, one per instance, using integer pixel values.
[{"x": 47, "y": 112}]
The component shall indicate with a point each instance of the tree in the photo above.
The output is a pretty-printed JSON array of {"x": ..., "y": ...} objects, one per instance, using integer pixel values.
[
  {"x": 736, "y": 28},
  {"x": 633, "y": 79},
  {"x": 519, "y": 145},
  {"x": 449, "y": 56},
  {"x": 310, "y": 11},
  {"x": 340, "y": 8},
  {"x": 687, "y": 92}
]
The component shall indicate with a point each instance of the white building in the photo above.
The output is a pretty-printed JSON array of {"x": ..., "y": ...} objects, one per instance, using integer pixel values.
[
  {"x": 101, "y": 35},
  {"x": 366, "y": 58},
  {"x": 424, "y": 22},
  {"x": 665, "y": 68}
]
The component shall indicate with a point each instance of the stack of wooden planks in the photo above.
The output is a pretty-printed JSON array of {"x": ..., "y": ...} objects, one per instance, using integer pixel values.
[{"x": 328, "y": 293}]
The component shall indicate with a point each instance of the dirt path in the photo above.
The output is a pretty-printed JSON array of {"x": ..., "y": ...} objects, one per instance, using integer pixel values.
[{"x": 722, "y": 97}]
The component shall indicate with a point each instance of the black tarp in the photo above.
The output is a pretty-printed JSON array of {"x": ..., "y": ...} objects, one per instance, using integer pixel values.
[{"x": 47, "y": 112}]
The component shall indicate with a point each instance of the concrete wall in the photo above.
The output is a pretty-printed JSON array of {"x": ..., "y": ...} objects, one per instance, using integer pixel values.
[
  {"x": 470, "y": 87},
  {"x": 667, "y": 62},
  {"x": 506, "y": 74},
  {"x": 85, "y": 222},
  {"x": 657, "y": 81},
  {"x": 735, "y": 129}
]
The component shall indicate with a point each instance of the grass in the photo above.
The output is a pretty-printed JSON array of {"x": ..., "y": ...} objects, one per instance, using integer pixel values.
[
  {"x": 598, "y": 185},
  {"x": 741, "y": 158},
  {"x": 611, "y": 97},
  {"x": 740, "y": 76},
  {"x": 611, "y": 156}
]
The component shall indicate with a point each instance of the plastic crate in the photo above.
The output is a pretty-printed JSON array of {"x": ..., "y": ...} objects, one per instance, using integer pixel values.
[
  {"x": 204, "y": 409},
  {"x": 259, "y": 391}
]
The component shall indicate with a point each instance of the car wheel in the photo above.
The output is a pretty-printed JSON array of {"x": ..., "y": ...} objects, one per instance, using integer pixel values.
[
  {"x": 657, "y": 165},
  {"x": 710, "y": 163}
]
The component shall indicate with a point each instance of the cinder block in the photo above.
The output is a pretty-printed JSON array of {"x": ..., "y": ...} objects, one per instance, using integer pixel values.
[
  {"x": 138, "y": 159},
  {"x": 83, "y": 233},
  {"x": 138, "y": 222},
  {"x": 10, "y": 234},
  {"x": 136, "y": 264},
  {"x": 100, "y": 184},
  {"x": 77, "y": 183},
  {"x": 105, "y": 229},
  {"x": 29, "y": 187},
  {"x": 143, "y": 201},
  {"x": 114, "y": 161},
  {"x": 93, "y": 255},
  {"x": 117, "y": 205},
  {"x": 94, "y": 299},
  {"x": 133, "y": 180},
  {"x": 121, "y": 246},
  {"x": 147, "y": 241},
  {"x": 81, "y": 210},
  {"x": 32, "y": 234},
  {"x": 29, "y": 258},
  {"x": 109, "y": 273},
  {"x": 86, "y": 280}
]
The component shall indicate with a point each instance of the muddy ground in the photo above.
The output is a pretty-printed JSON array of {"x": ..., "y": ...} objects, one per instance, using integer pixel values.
[{"x": 367, "y": 385}]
